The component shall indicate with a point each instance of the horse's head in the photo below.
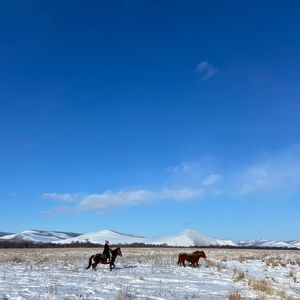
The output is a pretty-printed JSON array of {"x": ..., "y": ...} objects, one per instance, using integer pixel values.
[{"x": 119, "y": 252}]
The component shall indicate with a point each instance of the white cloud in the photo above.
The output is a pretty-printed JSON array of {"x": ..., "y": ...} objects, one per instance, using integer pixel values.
[
  {"x": 13, "y": 194},
  {"x": 181, "y": 194},
  {"x": 58, "y": 211},
  {"x": 206, "y": 70},
  {"x": 211, "y": 179},
  {"x": 184, "y": 168},
  {"x": 60, "y": 197},
  {"x": 272, "y": 174},
  {"x": 277, "y": 171},
  {"x": 135, "y": 197},
  {"x": 110, "y": 199}
]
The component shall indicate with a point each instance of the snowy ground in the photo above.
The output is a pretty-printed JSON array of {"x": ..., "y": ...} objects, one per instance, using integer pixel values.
[{"x": 149, "y": 274}]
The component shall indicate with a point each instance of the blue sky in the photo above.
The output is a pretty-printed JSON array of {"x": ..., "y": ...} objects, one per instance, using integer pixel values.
[{"x": 150, "y": 117}]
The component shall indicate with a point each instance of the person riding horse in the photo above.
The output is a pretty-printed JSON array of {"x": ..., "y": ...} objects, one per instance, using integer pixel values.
[
  {"x": 106, "y": 251},
  {"x": 99, "y": 258}
]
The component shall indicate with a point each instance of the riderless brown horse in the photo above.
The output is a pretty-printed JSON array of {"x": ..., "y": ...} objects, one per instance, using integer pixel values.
[
  {"x": 193, "y": 258},
  {"x": 99, "y": 258}
]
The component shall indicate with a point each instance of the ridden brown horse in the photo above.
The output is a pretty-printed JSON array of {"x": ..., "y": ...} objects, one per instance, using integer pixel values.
[
  {"x": 193, "y": 258},
  {"x": 99, "y": 258}
]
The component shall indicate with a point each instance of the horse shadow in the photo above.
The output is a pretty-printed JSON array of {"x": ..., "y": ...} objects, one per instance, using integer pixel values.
[{"x": 126, "y": 267}]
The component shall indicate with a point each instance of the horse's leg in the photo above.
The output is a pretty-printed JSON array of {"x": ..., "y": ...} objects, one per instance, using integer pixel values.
[
  {"x": 94, "y": 265},
  {"x": 111, "y": 266},
  {"x": 179, "y": 261}
]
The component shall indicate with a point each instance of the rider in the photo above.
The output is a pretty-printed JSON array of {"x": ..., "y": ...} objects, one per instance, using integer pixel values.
[{"x": 106, "y": 251}]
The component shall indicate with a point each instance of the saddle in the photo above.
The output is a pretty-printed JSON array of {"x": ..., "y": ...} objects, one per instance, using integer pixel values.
[{"x": 104, "y": 257}]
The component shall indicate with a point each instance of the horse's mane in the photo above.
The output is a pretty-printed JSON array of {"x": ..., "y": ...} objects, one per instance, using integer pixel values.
[{"x": 199, "y": 253}]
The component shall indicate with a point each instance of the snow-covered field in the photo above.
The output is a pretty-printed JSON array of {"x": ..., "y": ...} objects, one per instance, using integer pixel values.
[{"x": 149, "y": 273}]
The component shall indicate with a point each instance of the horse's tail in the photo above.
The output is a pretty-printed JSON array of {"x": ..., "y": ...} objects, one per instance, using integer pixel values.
[{"x": 90, "y": 262}]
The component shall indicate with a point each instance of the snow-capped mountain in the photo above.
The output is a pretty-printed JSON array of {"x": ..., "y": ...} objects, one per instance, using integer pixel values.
[
  {"x": 186, "y": 238},
  {"x": 38, "y": 236},
  {"x": 99, "y": 237},
  {"x": 269, "y": 244},
  {"x": 295, "y": 244}
]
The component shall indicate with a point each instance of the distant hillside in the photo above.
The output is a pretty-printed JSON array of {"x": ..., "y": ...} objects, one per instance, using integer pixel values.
[{"x": 38, "y": 236}]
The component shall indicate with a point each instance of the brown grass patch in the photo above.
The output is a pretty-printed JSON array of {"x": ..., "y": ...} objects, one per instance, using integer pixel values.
[
  {"x": 292, "y": 275},
  {"x": 235, "y": 296},
  {"x": 238, "y": 275},
  {"x": 263, "y": 297},
  {"x": 262, "y": 285},
  {"x": 214, "y": 264}
]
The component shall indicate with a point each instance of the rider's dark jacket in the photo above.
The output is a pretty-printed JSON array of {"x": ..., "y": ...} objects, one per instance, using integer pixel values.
[{"x": 106, "y": 251}]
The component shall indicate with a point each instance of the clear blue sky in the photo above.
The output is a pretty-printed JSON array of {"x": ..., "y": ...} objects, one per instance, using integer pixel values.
[{"x": 151, "y": 117}]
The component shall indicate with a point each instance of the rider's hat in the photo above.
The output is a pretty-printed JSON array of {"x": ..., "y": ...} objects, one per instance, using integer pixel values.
[{"x": 107, "y": 242}]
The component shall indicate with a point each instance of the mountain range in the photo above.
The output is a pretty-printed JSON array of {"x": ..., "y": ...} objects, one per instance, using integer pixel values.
[{"x": 185, "y": 238}]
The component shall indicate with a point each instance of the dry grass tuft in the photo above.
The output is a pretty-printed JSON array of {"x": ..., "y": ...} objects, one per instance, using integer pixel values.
[
  {"x": 245, "y": 258},
  {"x": 238, "y": 275},
  {"x": 17, "y": 259},
  {"x": 262, "y": 285},
  {"x": 283, "y": 295},
  {"x": 277, "y": 261},
  {"x": 272, "y": 262},
  {"x": 263, "y": 297},
  {"x": 235, "y": 296},
  {"x": 242, "y": 259},
  {"x": 292, "y": 275},
  {"x": 214, "y": 264}
]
